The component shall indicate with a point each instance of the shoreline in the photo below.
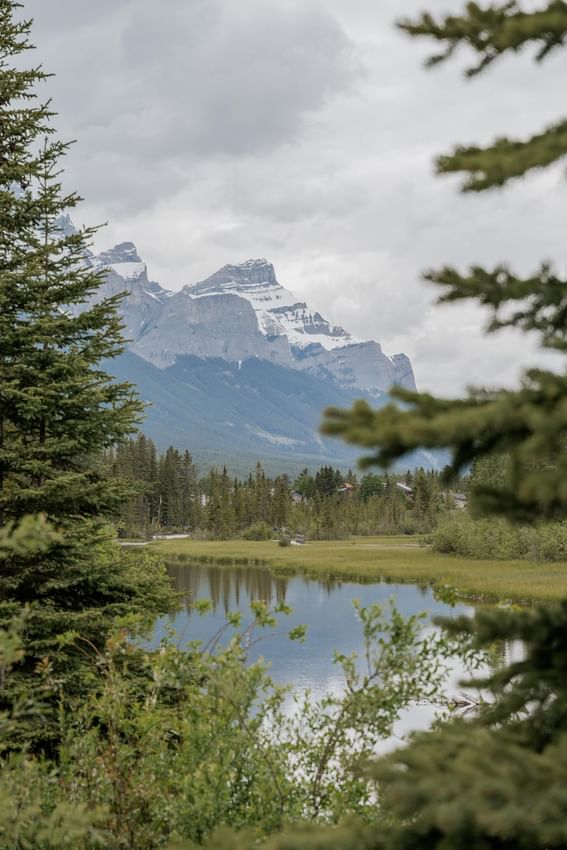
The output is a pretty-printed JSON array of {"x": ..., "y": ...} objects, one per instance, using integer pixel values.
[{"x": 398, "y": 559}]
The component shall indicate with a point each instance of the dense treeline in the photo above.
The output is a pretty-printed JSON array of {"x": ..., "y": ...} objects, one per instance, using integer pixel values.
[{"x": 169, "y": 495}]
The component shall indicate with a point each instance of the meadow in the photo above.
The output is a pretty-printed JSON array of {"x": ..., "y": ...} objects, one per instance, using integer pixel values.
[{"x": 387, "y": 558}]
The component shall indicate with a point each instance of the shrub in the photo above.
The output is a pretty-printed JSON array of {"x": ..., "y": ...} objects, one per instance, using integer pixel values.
[
  {"x": 258, "y": 531},
  {"x": 488, "y": 539}
]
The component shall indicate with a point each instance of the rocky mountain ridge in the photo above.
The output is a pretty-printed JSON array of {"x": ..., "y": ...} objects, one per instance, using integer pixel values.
[{"x": 240, "y": 312}]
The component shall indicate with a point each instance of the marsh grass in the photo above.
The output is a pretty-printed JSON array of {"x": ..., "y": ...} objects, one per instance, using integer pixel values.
[{"x": 389, "y": 558}]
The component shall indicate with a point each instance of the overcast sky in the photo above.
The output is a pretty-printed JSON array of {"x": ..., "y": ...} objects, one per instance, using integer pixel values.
[{"x": 212, "y": 131}]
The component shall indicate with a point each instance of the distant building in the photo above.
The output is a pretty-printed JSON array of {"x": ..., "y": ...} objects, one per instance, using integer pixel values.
[
  {"x": 459, "y": 499},
  {"x": 346, "y": 489},
  {"x": 407, "y": 490},
  {"x": 297, "y": 498}
]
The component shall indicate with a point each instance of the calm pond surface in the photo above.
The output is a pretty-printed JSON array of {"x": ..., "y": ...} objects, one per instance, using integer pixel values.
[{"x": 325, "y": 606}]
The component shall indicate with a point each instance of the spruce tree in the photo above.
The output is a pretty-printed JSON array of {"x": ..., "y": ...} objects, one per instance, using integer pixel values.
[
  {"x": 58, "y": 407},
  {"x": 528, "y": 424}
]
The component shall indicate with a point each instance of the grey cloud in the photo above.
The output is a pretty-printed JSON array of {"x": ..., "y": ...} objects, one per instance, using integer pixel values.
[{"x": 161, "y": 90}]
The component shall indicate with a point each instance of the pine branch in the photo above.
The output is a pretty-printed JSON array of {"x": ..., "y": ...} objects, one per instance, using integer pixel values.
[
  {"x": 493, "y": 31},
  {"x": 505, "y": 159},
  {"x": 541, "y": 299}
]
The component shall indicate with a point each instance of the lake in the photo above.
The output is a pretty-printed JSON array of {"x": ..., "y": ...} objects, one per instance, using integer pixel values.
[{"x": 325, "y": 606}]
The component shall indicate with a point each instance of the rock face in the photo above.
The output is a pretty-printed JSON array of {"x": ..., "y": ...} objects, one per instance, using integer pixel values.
[
  {"x": 278, "y": 312},
  {"x": 223, "y": 326},
  {"x": 240, "y": 312},
  {"x": 360, "y": 365}
]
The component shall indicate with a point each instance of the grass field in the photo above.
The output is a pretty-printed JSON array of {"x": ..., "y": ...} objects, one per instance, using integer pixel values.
[{"x": 395, "y": 559}]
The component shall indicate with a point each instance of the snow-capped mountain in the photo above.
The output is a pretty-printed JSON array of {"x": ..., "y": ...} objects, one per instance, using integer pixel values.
[
  {"x": 237, "y": 367},
  {"x": 242, "y": 311},
  {"x": 315, "y": 345},
  {"x": 279, "y": 313}
]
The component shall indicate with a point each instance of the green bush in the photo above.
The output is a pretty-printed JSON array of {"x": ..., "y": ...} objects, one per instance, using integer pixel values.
[
  {"x": 201, "y": 738},
  {"x": 258, "y": 531},
  {"x": 490, "y": 539}
]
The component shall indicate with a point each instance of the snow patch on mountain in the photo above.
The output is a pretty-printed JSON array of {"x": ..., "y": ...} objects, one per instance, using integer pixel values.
[
  {"x": 128, "y": 271},
  {"x": 278, "y": 311}
]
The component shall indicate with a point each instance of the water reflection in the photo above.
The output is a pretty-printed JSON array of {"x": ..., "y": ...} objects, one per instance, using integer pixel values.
[
  {"x": 228, "y": 588},
  {"x": 324, "y": 605}
]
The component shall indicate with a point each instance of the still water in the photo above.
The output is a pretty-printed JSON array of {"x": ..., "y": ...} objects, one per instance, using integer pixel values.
[{"x": 325, "y": 606}]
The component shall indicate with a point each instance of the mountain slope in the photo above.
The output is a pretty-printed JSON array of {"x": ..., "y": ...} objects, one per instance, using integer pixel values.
[
  {"x": 234, "y": 414},
  {"x": 223, "y": 411}
]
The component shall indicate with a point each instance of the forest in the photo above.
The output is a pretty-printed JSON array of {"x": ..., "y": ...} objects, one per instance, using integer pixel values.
[{"x": 169, "y": 494}]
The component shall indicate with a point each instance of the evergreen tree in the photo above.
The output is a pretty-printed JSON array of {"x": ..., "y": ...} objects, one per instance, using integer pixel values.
[
  {"x": 305, "y": 484},
  {"x": 58, "y": 408},
  {"x": 261, "y": 497},
  {"x": 529, "y": 424},
  {"x": 371, "y": 485},
  {"x": 281, "y": 501}
]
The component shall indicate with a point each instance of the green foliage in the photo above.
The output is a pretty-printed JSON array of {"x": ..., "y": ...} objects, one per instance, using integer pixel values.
[
  {"x": 304, "y": 484},
  {"x": 497, "y": 780},
  {"x": 106, "y": 587},
  {"x": 200, "y": 738},
  {"x": 58, "y": 408},
  {"x": 537, "y": 303},
  {"x": 490, "y": 539},
  {"x": 258, "y": 531},
  {"x": 503, "y": 773},
  {"x": 31, "y": 816},
  {"x": 463, "y": 533},
  {"x": 494, "y": 30}
]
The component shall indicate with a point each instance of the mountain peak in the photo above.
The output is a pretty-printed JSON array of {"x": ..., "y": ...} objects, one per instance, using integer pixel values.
[
  {"x": 64, "y": 225},
  {"x": 251, "y": 271},
  {"x": 124, "y": 252}
]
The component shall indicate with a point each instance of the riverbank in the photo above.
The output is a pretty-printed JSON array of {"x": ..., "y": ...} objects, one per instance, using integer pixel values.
[{"x": 395, "y": 559}]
